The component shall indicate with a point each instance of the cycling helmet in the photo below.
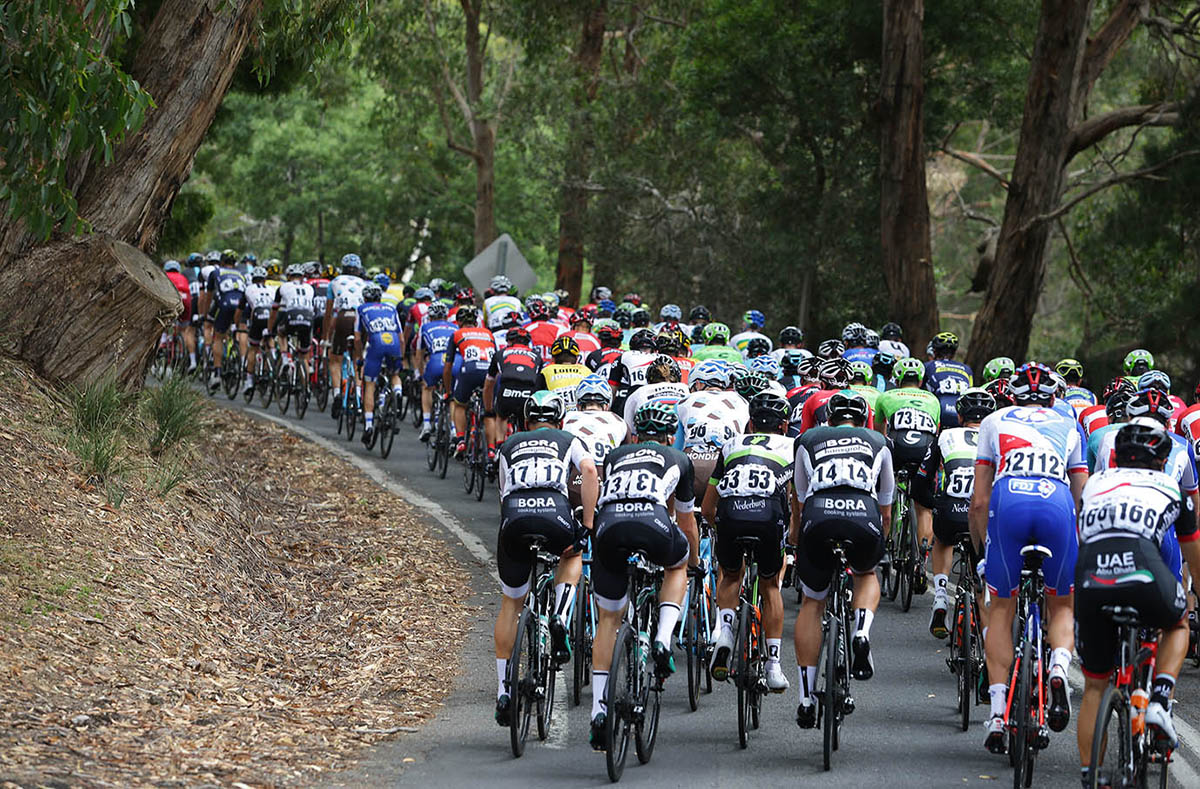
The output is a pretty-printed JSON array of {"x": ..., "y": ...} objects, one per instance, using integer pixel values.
[
  {"x": 517, "y": 336},
  {"x": 351, "y": 264},
  {"x": 536, "y": 307},
  {"x": 944, "y": 342},
  {"x": 810, "y": 369},
  {"x": 1060, "y": 384},
  {"x": 750, "y": 384},
  {"x": 438, "y": 311},
  {"x": 1118, "y": 384},
  {"x": 446, "y": 289},
  {"x": 383, "y": 281},
  {"x": 655, "y": 418},
  {"x": 371, "y": 292},
  {"x": 790, "y": 361},
  {"x": 769, "y": 411},
  {"x": 1069, "y": 368},
  {"x": 790, "y": 335},
  {"x": 666, "y": 342},
  {"x": 1033, "y": 384},
  {"x": 908, "y": 369},
  {"x": 594, "y": 389},
  {"x": 861, "y": 369},
  {"x": 551, "y": 299},
  {"x": 632, "y": 298},
  {"x": 373, "y": 271},
  {"x": 1116, "y": 406},
  {"x": 1138, "y": 361},
  {"x": 212, "y": 256},
  {"x": 847, "y": 405},
  {"x": 562, "y": 295},
  {"x": 639, "y": 318},
  {"x": 713, "y": 373},
  {"x": 601, "y": 293},
  {"x": 1001, "y": 392},
  {"x": 884, "y": 361},
  {"x": 250, "y": 259},
  {"x": 623, "y": 318},
  {"x": 891, "y": 331},
  {"x": 642, "y": 340},
  {"x": 606, "y": 305},
  {"x": 831, "y": 349},
  {"x": 974, "y": 404},
  {"x": 228, "y": 257},
  {"x": 663, "y": 369},
  {"x": 834, "y": 374},
  {"x": 872, "y": 339},
  {"x": 1000, "y": 367},
  {"x": 436, "y": 284},
  {"x": 565, "y": 345},
  {"x": 544, "y": 406},
  {"x": 608, "y": 333},
  {"x": 464, "y": 294},
  {"x": 582, "y": 315},
  {"x": 1152, "y": 403},
  {"x": 757, "y": 346},
  {"x": 754, "y": 318},
  {"x": 716, "y": 334},
  {"x": 1155, "y": 379},
  {"x": 172, "y": 265},
  {"x": 1141, "y": 444},
  {"x": 767, "y": 365},
  {"x": 466, "y": 314},
  {"x": 700, "y": 313},
  {"x": 671, "y": 312},
  {"x": 195, "y": 259},
  {"x": 855, "y": 334},
  {"x": 500, "y": 284},
  {"x": 424, "y": 294},
  {"x": 258, "y": 273}
]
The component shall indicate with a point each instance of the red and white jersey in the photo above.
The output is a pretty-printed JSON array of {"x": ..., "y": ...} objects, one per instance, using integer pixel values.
[
  {"x": 587, "y": 342},
  {"x": 686, "y": 363},
  {"x": 1176, "y": 413},
  {"x": 1093, "y": 418},
  {"x": 564, "y": 316},
  {"x": 417, "y": 313},
  {"x": 1188, "y": 425},
  {"x": 543, "y": 334},
  {"x": 1030, "y": 441}
]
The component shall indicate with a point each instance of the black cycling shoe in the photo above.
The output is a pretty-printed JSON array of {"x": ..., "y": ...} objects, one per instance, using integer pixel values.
[
  {"x": 559, "y": 643},
  {"x": 806, "y": 716},
  {"x": 503, "y": 710},
  {"x": 368, "y": 435},
  {"x": 1059, "y": 714},
  {"x": 664, "y": 661},
  {"x": 862, "y": 667},
  {"x": 335, "y": 407},
  {"x": 599, "y": 736}
]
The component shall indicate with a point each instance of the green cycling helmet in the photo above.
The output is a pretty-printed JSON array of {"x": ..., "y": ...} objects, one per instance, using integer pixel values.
[
  {"x": 655, "y": 418},
  {"x": 862, "y": 370},
  {"x": 908, "y": 369},
  {"x": 1000, "y": 367},
  {"x": 714, "y": 330},
  {"x": 1138, "y": 361}
]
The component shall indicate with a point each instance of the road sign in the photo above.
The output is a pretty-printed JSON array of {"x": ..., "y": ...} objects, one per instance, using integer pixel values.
[{"x": 501, "y": 257}]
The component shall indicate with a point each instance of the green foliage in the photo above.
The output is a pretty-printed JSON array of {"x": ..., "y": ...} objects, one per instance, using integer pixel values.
[
  {"x": 98, "y": 417},
  {"x": 63, "y": 100},
  {"x": 172, "y": 412},
  {"x": 190, "y": 214}
]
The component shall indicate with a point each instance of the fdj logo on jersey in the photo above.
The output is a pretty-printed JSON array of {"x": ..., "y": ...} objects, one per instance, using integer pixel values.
[{"x": 1032, "y": 487}]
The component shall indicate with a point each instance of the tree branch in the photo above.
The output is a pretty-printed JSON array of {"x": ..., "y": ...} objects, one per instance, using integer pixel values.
[
  {"x": 508, "y": 80},
  {"x": 664, "y": 21},
  {"x": 1087, "y": 133},
  {"x": 977, "y": 162},
  {"x": 444, "y": 114},
  {"x": 1112, "y": 35},
  {"x": 459, "y": 98}
]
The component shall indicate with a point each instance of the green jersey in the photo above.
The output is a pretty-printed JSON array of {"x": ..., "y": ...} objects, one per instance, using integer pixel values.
[
  {"x": 723, "y": 352},
  {"x": 909, "y": 409},
  {"x": 870, "y": 393}
]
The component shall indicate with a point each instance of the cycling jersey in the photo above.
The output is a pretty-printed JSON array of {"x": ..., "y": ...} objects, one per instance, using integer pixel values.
[
  {"x": 379, "y": 325},
  {"x": 600, "y": 431},
  {"x": 1141, "y": 502},
  {"x": 320, "y": 288},
  {"x": 539, "y": 460},
  {"x": 474, "y": 344},
  {"x": 543, "y": 334},
  {"x": 1188, "y": 426},
  {"x": 345, "y": 291},
  {"x": 869, "y": 393},
  {"x": 417, "y": 312},
  {"x": 296, "y": 300},
  {"x": 226, "y": 285},
  {"x": 1030, "y": 441},
  {"x": 628, "y": 372},
  {"x": 649, "y": 473},
  {"x": 257, "y": 301},
  {"x": 434, "y": 341},
  {"x": 206, "y": 275},
  {"x": 497, "y": 308},
  {"x": 600, "y": 361},
  {"x": 751, "y": 476},
  {"x": 562, "y": 378},
  {"x": 184, "y": 287},
  {"x": 947, "y": 379},
  {"x": 843, "y": 457},
  {"x": 1180, "y": 466},
  {"x": 1092, "y": 419},
  {"x": 945, "y": 481},
  {"x": 663, "y": 392},
  {"x": 686, "y": 365},
  {"x": 741, "y": 340},
  {"x": 860, "y": 355},
  {"x": 710, "y": 418},
  {"x": 1079, "y": 398},
  {"x": 516, "y": 364},
  {"x": 909, "y": 408},
  {"x": 721, "y": 352}
]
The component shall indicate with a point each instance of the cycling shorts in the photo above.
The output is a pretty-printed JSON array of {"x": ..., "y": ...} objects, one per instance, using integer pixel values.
[
  {"x": 704, "y": 460},
  {"x": 1030, "y": 511},
  {"x": 510, "y": 399},
  {"x": 837, "y": 514},
  {"x": 301, "y": 332},
  {"x": 623, "y": 527},
  {"x": 1126, "y": 571},
  {"x": 950, "y": 519},
  {"x": 909, "y": 447},
  {"x": 222, "y": 318},
  {"x": 466, "y": 382},
  {"x": 524, "y": 513},
  {"x": 375, "y": 356},
  {"x": 343, "y": 332},
  {"x": 750, "y": 516},
  {"x": 435, "y": 365},
  {"x": 256, "y": 328}
]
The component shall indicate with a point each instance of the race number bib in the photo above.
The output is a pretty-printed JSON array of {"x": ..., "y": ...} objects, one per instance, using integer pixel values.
[
  {"x": 1034, "y": 462},
  {"x": 913, "y": 419},
  {"x": 960, "y": 484},
  {"x": 746, "y": 480},
  {"x": 633, "y": 485},
  {"x": 537, "y": 472},
  {"x": 952, "y": 386},
  {"x": 842, "y": 471}
]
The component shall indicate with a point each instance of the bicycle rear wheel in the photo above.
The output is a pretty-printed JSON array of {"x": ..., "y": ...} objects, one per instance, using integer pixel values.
[
  {"x": 741, "y": 672},
  {"x": 414, "y": 394},
  {"x": 1112, "y": 741},
  {"x": 620, "y": 698},
  {"x": 521, "y": 671},
  {"x": 692, "y": 641},
  {"x": 354, "y": 408},
  {"x": 445, "y": 448},
  {"x": 301, "y": 388},
  {"x": 908, "y": 567},
  {"x": 1024, "y": 749},
  {"x": 964, "y": 627},
  {"x": 469, "y": 461},
  {"x": 389, "y": 424},
  {"x": 431, "y": 450},
  {"x": 828, "y": 700},
  {"x": 581, "y": 640},
  {"x": 647, "y": 730},
  {"x": 322, "y": 384}
]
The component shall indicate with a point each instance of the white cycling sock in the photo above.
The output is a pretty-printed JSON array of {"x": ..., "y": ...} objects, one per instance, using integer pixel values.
[
  {"x": 564, "y": 594},
  {"x": 998, "y": 693},
  {"x": 808, "y": 682},
  {"x": 940, "y": 582},
  {"x": 192, "y": 357},
  {"x": 397, "y": 391},
  {"x": 865, "y": 618},
  {"x": 249, "y": 380},
  {"x": 501, "y": 673},
  {"x": 668, "y": 617},
  {"x": 725, "y": 617},
  {"x": 773, "y": 650},
  {"x": 370, "y": 418},
  {"x": 599, "y": 685},
  {"x": 1060, "y": 658}
]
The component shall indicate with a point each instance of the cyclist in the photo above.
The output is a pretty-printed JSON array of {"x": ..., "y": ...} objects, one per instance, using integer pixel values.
[
  {"x": 716, "y": 345},
  {"x": 748, "y": 496},
  {"x": 542, "y": 330},
  {"x": 999, "y": 367},
  {"x": 1026, "y": 455},
  {"x": 599, "y": 293},
  {"x": 942, "y": 490},
  {"x": 669, "y": 317},
  {"x": 609, "y": 334},
  {"x": 843, "y": 489},
  {"x": 946, "y": 377},
  {"x": 758, "y": 346},
  {"x": 1128, "y": 557},
  {"x": 1188, "y": 423},
  {"x": 629, "y": 370},
  {"x": 580, "y": 322},
  {"x": 183, "y": 323},
  {"x": 295, "y": 299},
  {"x": 891, "y": 340},
  {"x": 1077, "y": 395},
  {"x": 591, "y": 422},
  {"x": 1157, "y": 379},
  {"x": 1094, "y": 417},
  {"x": 708, "y": 417},
  {"x": 882, "y": 368},
  {"x": 534, "y": 468},
  {"x": 834, "y": 377},
  {"x": 256, "y": 304},
  {"x": 320, "y": 286},
  {"x": 662, "y": 386},
  {"x": 753, "y": 322},
  {"x": 831, "y": 349},
  {"x": 435, "y": 335},
  {"x": 861, "y": 376},
  {"x": 475, "y": 345},
  {"x": 379, "y": 343},
  {"x": 564, "y": 372},
  {"x": 222, "y": 295},
  {"x": 1137, "y": 363},
  {"x": 463, "y": 297},
  {"x": 511, "y": 380},
  {"x": 855, "y": 338},
  {"x": 500, "y": 303},
  {"x": 643, "y": 483},
  {"x": 790, "y": 338},
  {"x": 341, "y": 313},
  {"x": 423, "y": 299}
]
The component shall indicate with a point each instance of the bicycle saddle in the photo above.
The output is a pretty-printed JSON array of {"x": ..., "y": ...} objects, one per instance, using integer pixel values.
[{"x": 1122, "y": 614}]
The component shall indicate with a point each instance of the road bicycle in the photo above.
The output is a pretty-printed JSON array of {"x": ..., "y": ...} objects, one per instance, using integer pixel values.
[
  {"x": 387, "y": 417},
  {"x": 440, "y": 446},
  {"x": 1025, "y": 708},
  {"x": 292, "y": 382},
  {"x": 834, "y": 701},
  {"x": 532, "y": 669},
  {"x": 475, "y": 458},
  {"x": 583, "y": 630},
  {"x": 350, "y": 396},
  {"x": 699, "y": 606},
  {"x": 966, "y": 661},
  {"x": 906, "y": 573}
]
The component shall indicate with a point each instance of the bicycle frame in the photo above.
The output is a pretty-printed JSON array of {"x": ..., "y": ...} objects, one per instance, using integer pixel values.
[{"x": 1029, "y": 612}]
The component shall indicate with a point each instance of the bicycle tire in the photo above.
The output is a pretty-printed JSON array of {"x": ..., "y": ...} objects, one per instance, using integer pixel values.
[
  {"x": 646, "y": 733},
  {"x": 402, "y": 402},
  {"x": 301, "y": 390},
  {"x": 693, "y": 649},
  {"x": 966, "y": 661},
  {"x": 1114, "y": 707},
  {"x": 322, "y": 385},
  {"x": 547, "y": 681},
  {"x": 619, "y": 697},
  {"x": 431, "y": 457},
  {"x": 828, "y": 700},
  {"x": 284, "y": 396},
  {"x": 580, "y": 641},
  {"x": 741, "y": 672},
  {"x": 389, "y": 425},
  {"x": 469, "y": 462},
  {"x": 444, "y": 438},
  {"x": 354, "y": 408},
  {"x": 520, "y": 665},
  {"x": 415, "y": 405},
  {"x": 709, "y": 617},
  {"x": 909, "y": 565},
  {"x": 1024, "y": 751}
]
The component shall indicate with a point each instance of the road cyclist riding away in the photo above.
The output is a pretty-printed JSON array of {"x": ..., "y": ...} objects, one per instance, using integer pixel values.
[
  {"x": 379, "y": 343},
  {"x": 343, "y": 297}
]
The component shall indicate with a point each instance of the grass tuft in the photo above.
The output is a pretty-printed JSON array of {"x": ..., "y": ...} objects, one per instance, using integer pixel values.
[
  {"x": 172, "y": 412},
  {"x": 99, "y": 413}
]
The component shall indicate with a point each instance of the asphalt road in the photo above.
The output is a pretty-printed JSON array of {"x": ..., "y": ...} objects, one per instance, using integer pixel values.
[{"x": 903, "y": 733}]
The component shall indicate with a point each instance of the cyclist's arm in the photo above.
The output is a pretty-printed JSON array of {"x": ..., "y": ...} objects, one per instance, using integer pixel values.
[
  {"x": 448, "y": 370},
  {"x": 708, "y": 507},
  {"x": 589, "y": 488},
  {"x": 981, "y": 496},
  {"x": 885, "y": 485},
  {"x": 1187, "y": 533}
]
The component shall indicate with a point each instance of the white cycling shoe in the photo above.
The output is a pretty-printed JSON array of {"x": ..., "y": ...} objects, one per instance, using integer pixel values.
[
  {"x": 1159, "y": 717},
  {"x": 777, "y": 681},
  {"x": 722, "y": 650}
]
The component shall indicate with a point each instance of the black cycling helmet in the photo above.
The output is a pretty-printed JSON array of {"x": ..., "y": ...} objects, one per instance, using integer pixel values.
[
  {"x": 666, "y": 342},
  {"x": 1153, "y": 403},
  {"x": 1116, "y": 406},
  {"x": 466, "y": 314},
  {"x": 228, "y": 257},
  {"x": 517, "y": 336},
  {"x": 751, "y": 384},
  {"x": 891, "y": 331},
  {"x": 758, "y": 346},
  {"x": 790, "y": 335},
  {"x": 847, "y": 405},
  {"x": 639, "y": 318},
  {"x": 1140, "y": 444},
  {"x": 623, "y": 319},
  {"x": 810, "y": 369},
  {"x": 699, "y": 313},
  {"x": 974, "y": 404},
  {"x": 831, "y": 349},
  {"x": 372, "y": 292},
  {"x": 768, "y": 411},
  {"x": 642, "y": 340}
]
